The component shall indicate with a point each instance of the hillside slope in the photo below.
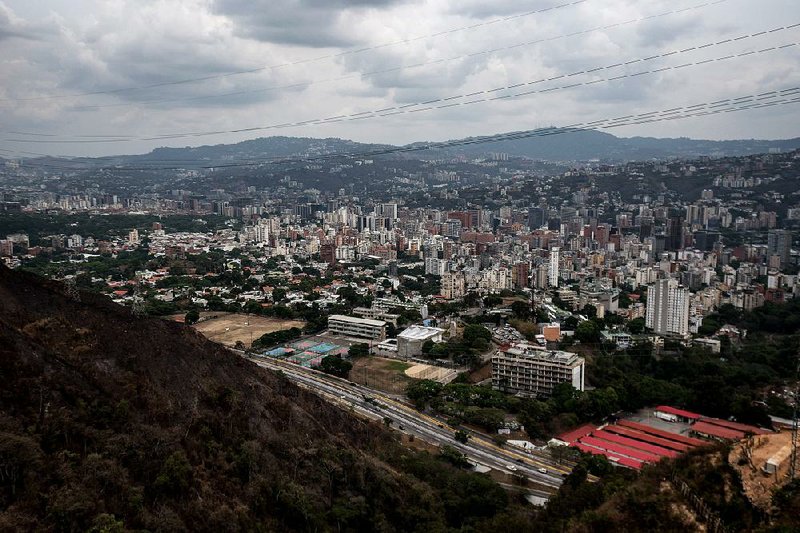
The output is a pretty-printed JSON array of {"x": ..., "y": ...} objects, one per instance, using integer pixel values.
[{"x": 109, "y": 420}]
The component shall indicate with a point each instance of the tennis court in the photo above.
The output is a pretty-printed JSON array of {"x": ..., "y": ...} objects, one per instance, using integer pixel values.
[{"x": 324, "y": 347}]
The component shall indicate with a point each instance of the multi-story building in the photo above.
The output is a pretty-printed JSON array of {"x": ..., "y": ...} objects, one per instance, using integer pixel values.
[
  {"x": 668, "y": 308},
  {"x": 537, "y": 217},
  {"x": 533, "y": 371},
  {"x": 453, "y": 285},
  {"x": 779, "y": 243},
  {"x": 554, "y": 266},
  {"x": 6, "y": 248},
  {"x": 357, "y": 327},
  {"x": 520, "y": 274},
  {"x": 435, "y": 266}
]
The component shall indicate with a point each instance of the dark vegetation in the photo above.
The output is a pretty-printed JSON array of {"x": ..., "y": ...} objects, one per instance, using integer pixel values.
[
  {"x": 335, "y": 365},
  {"x": 464, "y": 350},
  {"x": 108, "y": 421},
  {"x": 268, "y": 340}
]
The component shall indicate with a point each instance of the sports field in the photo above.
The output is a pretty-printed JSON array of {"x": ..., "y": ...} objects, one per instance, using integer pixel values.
[{"x": 228, "y": 328}]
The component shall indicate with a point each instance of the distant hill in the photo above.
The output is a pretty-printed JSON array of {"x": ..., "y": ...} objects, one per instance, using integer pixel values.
[
  {"x": 571, "y": 146},
  {"x": 108, "y": 421},
  {"x": 255, "y": 150},
  {"x": 588, "y": 145}
]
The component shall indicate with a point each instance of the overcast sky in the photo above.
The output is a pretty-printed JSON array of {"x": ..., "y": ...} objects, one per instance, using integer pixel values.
[{"x": 51, "y": 49}]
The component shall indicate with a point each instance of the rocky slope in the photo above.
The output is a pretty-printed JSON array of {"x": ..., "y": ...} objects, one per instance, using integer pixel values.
[{"x": 112, "y": 421}]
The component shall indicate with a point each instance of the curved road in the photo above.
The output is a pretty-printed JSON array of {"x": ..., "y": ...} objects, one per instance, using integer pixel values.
[{"x": 537, "y": 467}]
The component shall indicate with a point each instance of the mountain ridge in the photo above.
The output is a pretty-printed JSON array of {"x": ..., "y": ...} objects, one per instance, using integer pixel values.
[
  {"x": 107, "y": 419},
  {"x": 581, "y": 145}
]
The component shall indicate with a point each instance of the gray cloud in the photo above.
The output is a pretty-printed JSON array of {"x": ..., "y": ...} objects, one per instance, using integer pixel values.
[
  {"x": 11, "y": 27},
  {"x": 312, "y": 23},
  {"x": 93, "y": 45}
]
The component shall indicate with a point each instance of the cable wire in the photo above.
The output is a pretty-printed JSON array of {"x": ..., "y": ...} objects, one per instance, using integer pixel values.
[
  {"x": 448, "y": 102},
  {"x": 782, "y": 97}
]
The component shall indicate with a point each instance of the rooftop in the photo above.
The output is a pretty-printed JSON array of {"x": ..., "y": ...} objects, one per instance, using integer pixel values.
[
  {"x": 356, "y": 320},
  {"x": 419, "y": 332},
  {"x": 522, "y": 349}
]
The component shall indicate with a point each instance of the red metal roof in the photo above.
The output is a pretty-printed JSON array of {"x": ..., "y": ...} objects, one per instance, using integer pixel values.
[
  {"x": 577, "y": 433},
  {"x": 652, "y": 439},
  {"x": 618, "y": 449},
  {"x": 661, "y": 433},
  {"x": 704, "y": 428},
  {"x": 625, "y": 461},
  {"x": 744, "y": 428},
  {"x": 678, "y": 412},
  {"x": 638, "y": 445}
]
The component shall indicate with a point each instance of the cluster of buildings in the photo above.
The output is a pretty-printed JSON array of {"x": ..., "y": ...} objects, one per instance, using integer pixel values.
[{"x": 591, "y": 237}]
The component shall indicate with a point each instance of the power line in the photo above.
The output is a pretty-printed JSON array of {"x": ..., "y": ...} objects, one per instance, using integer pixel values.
[
  {"x": 360, "y": 75},
  {"x": 309, "y": 60},
  {"x": 451, "y": 101},
  {"x": 782, "y": 97}
]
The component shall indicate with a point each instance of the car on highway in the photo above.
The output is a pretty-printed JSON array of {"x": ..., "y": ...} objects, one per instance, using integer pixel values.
[
  {"x": 512, "y": 468},
  {"x": 543, "y": 470}
]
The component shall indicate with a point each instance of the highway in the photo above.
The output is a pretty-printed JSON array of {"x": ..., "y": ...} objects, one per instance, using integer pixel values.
[{"x": 539, "y": 468}]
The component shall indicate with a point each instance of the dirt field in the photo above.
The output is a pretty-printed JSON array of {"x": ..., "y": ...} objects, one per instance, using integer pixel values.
[
  {"x": 228, "y": 328},
  {"x": 382, "y": 374},
  {"x": 759, "y": 486},
  {"x": 436, "y": 373},
  {"x": 481, "y": 374}
]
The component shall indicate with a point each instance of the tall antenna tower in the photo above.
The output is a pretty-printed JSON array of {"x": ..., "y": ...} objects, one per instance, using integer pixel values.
[
  {"x": 138, "y": 301},
  {"x": 793, "y": 465},
  {"x": 71, "y": 289}
]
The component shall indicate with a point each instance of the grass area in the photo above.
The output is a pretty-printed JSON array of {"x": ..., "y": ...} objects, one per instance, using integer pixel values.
[
  {"x": 380, "y": 373},
  {"x": 397, "y": 366}
]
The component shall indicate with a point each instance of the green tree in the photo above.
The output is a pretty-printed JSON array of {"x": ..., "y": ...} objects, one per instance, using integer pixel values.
[
  {"x": 476, "y": 331},
  {"x": 521, "y": 309},
  {"x": 461, "y": 436},
  {"x": 358, "y": 350},
  {"x": 423, "y": 392},
  {"x": 336, "y": 366},
  {"x": 588, "y": 332},
  {"x": 192, "y": 317},
  {"x": 278, "y": 295},
  {"x": 175, "y": 476},
  {"x": 636, "y": 326}
]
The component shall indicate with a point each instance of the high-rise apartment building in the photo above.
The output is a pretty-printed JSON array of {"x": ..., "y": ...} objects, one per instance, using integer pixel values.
[
  {"x": 537, "y": 217},
  {"x": 555, "y": 258},
  {"x": 668, "y": 308},
  {"x": 779, "y": 243}
]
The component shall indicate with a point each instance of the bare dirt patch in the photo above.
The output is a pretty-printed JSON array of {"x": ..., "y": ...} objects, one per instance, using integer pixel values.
[
  {"x": 380, "y": 373},
  {"x": 436, "y": 373},
  {"x": 228, "y": 328},
  {"x": 749, "y": 457}
]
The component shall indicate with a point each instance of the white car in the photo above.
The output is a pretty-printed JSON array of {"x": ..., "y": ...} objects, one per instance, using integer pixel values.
[
  {"x": 512, "y": 468},
  {"x": 543, "y": 470}
]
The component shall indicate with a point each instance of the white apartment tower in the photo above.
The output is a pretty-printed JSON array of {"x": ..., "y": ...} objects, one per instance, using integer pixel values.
[
  {"x": 554, "y": 266},
  {"x": 668, "y": 308}
]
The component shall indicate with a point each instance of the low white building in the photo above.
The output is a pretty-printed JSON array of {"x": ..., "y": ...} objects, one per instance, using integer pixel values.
[{"x": 411, "y": 339}]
